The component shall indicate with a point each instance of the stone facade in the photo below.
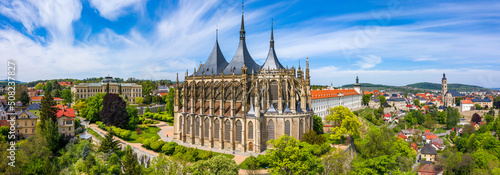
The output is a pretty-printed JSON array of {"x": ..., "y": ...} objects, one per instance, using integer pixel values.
[
  {"x": 86, "y": 90},
  {"x": 241, "y": 105}
]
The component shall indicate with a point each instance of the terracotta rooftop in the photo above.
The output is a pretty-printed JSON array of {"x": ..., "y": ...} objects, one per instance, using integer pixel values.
[{"x": 319, "y": 94}]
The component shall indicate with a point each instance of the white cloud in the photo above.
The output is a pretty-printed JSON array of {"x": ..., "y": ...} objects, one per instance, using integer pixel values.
[
  {"x": 113, "y": 9},
  {"x": 369, "y": 61},
  {"x": 424, "y": 58}
]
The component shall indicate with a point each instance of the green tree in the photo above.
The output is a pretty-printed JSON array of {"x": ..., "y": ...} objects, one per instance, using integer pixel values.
[
  {"x": 120, "y": 89},
  {"x": 336, "y": 163},
  {"x": 429, "y": 122},
  {"x": 382, "y": 99},
  {"x": 107, "y": 87},
  {"x": 162, "y": 164},
  {"x": 79, "y": 105},
  {"x": 89, "y": 162},
  {"x": 478, "y": 107},
  {"x": 442, "y": 117},
  {"x": 344, "y": 121},
  {"x": 366, "y": 98},
  {"x": 139, "y": 100},
  {"x": 47, "y": 110},
  {"x": 216, "y": 165},
  {"x": 169, "y": 101},
  {"x": 317, "y": 125},
  {"x": 133, "y": 117},
  {"x": 56, "y": 85},
  {"x": 39, "y": 86},
  {"x": 312, "y": 138},
  {"x": 416, "y": 102},
  {"x": 452, "y": 117},
  {"x": 109, "y": 144},
  {"x": 457, "y": 101},
  {"x": 85, "y": 151},
  {"x": 48, "y": 87},
  {"x": 92, "y": 107},
  {"x": 114, "y": 112},
  {"x": 287, "y": 157},
  {"x": 24, "y": 98},
  {"x": 147, "y": 110},
  {"x": 67, "y": 95},
  {"x": 56, "y": 93},
  {"x": 130, "y": 164}
]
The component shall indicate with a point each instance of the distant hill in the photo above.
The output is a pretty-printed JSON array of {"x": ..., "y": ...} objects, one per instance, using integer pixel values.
[
  {"x": 457, "y": 87},
  {"x": 371, "y": 87}
]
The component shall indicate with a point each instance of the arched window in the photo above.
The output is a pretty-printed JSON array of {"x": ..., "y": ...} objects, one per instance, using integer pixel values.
[
  {"x": 216, "y": 129},
  {"x": 188, "y": 125},
  {"x": 287, "y": 127},
  {"x": 207, "y": 127},
  {"x": 227, "y": 131},
  {"x": 182, "y": 124},
  {"x": 197, "y": 125},
  {"x": 301, "y": 129},
  {"x": 250, "y": 130},
  {"x": 238, "y": 131},
  {"x": 270, "y": 130}
]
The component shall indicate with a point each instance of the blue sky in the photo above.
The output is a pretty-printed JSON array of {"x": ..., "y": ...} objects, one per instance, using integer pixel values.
[{"x": 388, "y": 42}]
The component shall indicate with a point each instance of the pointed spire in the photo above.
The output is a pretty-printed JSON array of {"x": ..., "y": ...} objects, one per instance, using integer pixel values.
[
  {"x": 217, "y": 34},
  {"x": 242, "y": 30},
  {"x": 272, "y": 35},
  {"x": 357, "y": 79}
]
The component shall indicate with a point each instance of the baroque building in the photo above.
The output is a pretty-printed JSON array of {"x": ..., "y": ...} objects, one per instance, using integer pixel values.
[
  {"x": 128, "y": 90},
  {"x": 241, "y": 105}
]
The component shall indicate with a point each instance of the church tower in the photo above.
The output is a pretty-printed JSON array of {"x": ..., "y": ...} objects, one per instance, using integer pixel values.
[
  {"x": 444, "y": 87},
  {"x": 357, "y": 86}
]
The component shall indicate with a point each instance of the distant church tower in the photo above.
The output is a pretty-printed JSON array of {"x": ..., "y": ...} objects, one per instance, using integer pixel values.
[
  {"x": 444, "y": 87},
  {"x": 357, "y": 86}
]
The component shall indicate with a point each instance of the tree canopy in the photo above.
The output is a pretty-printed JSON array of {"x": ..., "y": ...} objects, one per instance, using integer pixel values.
[
  {"x": 114, "y": 112},
  {"x": 92, "y": 107},
  {"x": 344, "y": 121}
]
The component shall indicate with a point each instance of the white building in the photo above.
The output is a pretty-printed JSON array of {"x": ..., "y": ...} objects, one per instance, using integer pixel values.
[
  {"x": 323, "y": 100},
  {"x": 466, "y": 105}
]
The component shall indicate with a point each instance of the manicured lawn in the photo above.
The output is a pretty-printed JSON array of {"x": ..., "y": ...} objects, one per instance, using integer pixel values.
[
  {"x": 225, "y": 155},
  {"x": 439, "y": 131},
  {"x": 146, "y": 133}
]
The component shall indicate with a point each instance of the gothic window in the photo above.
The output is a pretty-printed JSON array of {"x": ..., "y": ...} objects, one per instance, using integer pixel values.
[
  {"x": 227, "y": 131},
  {"x": 216, "y": 129},
  {"x": 207, "y": 127},
  {"x": 197, "y": 127},
  {"x": 301, "y": 129},
  {"x": 287, "y": 127},
  {"x": 182, "y": 124},
  {"x": 270, "y": 130},
  {"x": 250, "y": 130},
  {"x": 188, "y": 125},
  {"x": 238, "y": 131}
]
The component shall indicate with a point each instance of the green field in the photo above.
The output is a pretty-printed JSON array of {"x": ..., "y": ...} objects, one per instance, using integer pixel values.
[{"x": 146, "y": 133}]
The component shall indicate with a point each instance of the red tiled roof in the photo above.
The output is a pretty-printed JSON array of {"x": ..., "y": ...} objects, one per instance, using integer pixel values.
[
  {"x": 36, "y": 98},
  {"x": 429, "y": 169},
  {"x": 431, "y": 136},
  {"x": 4, "y": 123},
  {"x": 427, "y": 130},
  {"x": 367, "y": 92},
  {"x": 319, "y": 94},
  {"x": 164, "y": 93},
  {"x": 68, "y": 112},
  {"x": 387, "y": 115},
  {"x": 401, "y": 136},
  {"x": 467, "y": 102}
]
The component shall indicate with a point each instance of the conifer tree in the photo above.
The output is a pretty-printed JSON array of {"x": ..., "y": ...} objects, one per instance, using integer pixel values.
[
  {"x": 109, "y": 144},
  {"x": 120, "y": 89},
  {"x": 107, "y": 88},
  {"x": 130, "y": 164},
  {"x": 85, "y": 151},
  {"x": 48, "y": 109}
]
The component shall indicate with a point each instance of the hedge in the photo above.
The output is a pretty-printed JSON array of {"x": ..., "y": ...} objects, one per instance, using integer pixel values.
[
  {"x": 162, "y": 116},
  {"x": 119, "y": 132}
]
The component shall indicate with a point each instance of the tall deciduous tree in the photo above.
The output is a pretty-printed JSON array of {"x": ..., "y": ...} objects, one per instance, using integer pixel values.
[
  {"x": 287, "y": 157},
  {"x": 67, "y": 95},
  {"x": 114, "y": 111},
  {"x": 92, "y": 107},
  {"x": 317, "y": 125},
  {"x": 216, "y": 165},
  {"x": 162, "y": 164},
  {"x": 130, "y": 164},
  {"x": 345, "y": 122},
  {"x": 476, "y": 118},
  {"x": 120, "y": 89},
  {"x": 133, "y": 118},
  {"x": 24, "y": 98},
  {"x": 382, "y": 99},
  {"x": 336, "y": 163},
  {"x": 366, "y": 98},
  {"x": 452, "y": 117},
  {"x": 139, "y": 100},
  {"x": 169, "y": 101},
  {"x": 48, "y": 87}
]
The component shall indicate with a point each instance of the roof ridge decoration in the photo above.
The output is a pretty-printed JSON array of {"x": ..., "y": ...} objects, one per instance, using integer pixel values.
[
  {"x": 216, "y": 61},
  {"x": 242, "y": 56},
  {"x": 272, "y": 61}
]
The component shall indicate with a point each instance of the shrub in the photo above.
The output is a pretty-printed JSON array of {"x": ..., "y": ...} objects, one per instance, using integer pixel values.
[
  {"x": 169, "y": 148},
  {"x": 250, "y": 163},
  {"x": 204, "y": 155},
  {"x": 138, "y": 131},
  {"x": 157, "y": 145}
]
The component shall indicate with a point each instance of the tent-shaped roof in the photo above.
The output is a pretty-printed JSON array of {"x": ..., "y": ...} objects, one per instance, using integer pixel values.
[{"x": 215, "y": 62}]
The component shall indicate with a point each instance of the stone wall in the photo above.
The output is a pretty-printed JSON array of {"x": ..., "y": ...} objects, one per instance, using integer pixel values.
[{"x": 153, "y": 109}]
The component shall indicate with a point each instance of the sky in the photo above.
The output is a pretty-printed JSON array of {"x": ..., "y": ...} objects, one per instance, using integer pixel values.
[{"x": 392, "y": 42}]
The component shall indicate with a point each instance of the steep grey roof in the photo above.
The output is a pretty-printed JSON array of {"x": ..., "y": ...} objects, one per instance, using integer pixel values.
[
  {"x": 215, "y": 62},
  {"x": 272, "y": 61},
  {"x": 242, "y": 57},
  {"x": 481, "y": 100},
  {"x": 251, "y": 112},
  {"x": 287, "y": 109},
  {"x": 108, "y": 79}
]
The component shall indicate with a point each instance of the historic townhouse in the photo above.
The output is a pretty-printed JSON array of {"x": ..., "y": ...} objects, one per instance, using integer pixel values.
[{"x": 129, "y": 90}]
